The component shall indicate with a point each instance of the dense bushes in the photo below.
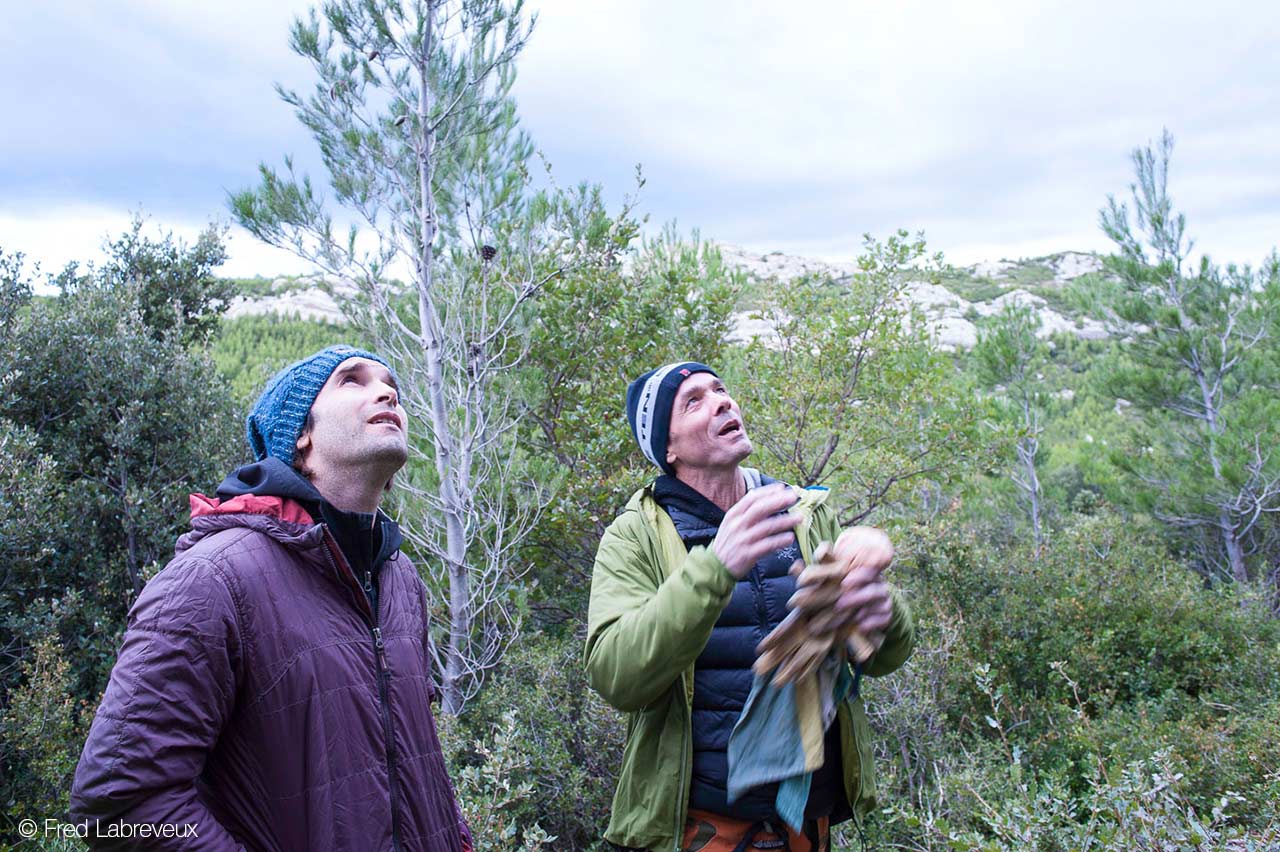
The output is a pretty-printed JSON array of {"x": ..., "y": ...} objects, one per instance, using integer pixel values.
[
  {"x": 1093, "y": 697},
  {"x": 565, "y": 740},
  {"x": 1054, "y": 695},
  {"x": 110, "y": 415},
  {"x": 250, "y": 349},
  {"x": 1110, "y": 602}
]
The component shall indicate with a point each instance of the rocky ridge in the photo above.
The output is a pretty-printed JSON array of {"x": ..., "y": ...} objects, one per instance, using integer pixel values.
[
  {"x": 305, "y": 297},
  {"x": 952, "y": 319}
]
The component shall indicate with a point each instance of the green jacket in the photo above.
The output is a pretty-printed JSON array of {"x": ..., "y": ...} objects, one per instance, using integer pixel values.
[{"x": 652, "y": 609}]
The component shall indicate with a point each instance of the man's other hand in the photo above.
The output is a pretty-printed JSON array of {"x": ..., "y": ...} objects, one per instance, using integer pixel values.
[
  {"x": 752, "y": 527},
  {"x": 863, "y": 590}
]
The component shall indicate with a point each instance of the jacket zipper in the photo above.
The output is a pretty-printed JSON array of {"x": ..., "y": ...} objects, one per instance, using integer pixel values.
[
  {"x": 380, "y": 657},
  {"x": 686, "y": 769},
  {"x": 384, "y": 674}
]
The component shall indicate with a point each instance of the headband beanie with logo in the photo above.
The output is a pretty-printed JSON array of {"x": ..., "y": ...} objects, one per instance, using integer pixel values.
[
  {"x": 277, "y": 419},
  {"x": 649, "y": 401}
]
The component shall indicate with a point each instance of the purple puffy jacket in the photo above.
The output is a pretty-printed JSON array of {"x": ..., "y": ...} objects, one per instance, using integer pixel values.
[{"x": 257, "y": 698}]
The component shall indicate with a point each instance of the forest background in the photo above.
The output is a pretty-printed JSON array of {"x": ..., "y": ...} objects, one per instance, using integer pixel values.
[{"x": 1087, "y": 528}]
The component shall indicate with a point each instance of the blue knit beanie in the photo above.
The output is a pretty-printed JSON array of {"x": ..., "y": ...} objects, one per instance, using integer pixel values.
[
  {"x": 277, "y": 419},
  {"x": 649, "y": 401}
]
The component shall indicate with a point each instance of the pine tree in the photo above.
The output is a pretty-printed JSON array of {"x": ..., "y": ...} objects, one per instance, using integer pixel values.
[
  {"x": 1200, "y": 372},
  {"x": 413, "y": 113}
]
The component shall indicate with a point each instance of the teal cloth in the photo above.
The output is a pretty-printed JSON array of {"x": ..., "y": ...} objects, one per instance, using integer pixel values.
[{"x": 765, "y": 744}]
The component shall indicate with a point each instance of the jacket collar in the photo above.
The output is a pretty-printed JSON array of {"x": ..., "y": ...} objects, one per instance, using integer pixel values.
[{"x": 810, "y": 499}]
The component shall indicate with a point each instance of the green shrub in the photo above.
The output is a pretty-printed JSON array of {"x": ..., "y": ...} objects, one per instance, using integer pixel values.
[
  {"x": 568, "y": 742},
  {"x": 494, "y": 787},
  {"x": 1095, "y": 660},
  {"x": 1108, "y": 600},
  {"x": 248, "y": 350},
  {"x": 43, "y": 728},
  {"x": 110, "y": 415},
  {"x": 994, "y": 795}
]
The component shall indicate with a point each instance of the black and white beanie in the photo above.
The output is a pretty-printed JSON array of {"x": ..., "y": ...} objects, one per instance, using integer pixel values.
[{"x": 649, "y": 401}]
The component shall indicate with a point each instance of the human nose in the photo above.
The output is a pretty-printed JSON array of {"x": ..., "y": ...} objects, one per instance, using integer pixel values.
[{"x": 388, "y": 393}]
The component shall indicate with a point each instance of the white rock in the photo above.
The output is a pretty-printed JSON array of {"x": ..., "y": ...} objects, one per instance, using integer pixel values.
[
  {"x": 1017, "y": 298},
  {"x": 1073, "y": 264},
  {"x": 1088, "y": 328},
  {"x": 745, "y": 327},
  {"x": 784, "y": 267},
  {"x": 992, "y": 268},
  {"x": 952, "y": 333},
  {"x": 312, "y": 304},
  {"x": 934, "y": 298},
  {"x": 949, "y": 317}
]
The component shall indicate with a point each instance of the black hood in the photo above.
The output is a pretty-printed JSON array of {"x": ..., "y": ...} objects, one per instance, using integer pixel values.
[
  {"x": 366, "y": 539},
  {"x": 269, "y": 478},
  {"x": 696, "y": 518}
]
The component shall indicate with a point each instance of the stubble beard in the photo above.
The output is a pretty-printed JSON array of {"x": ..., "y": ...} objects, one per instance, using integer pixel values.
[
  {"x": 387, "y": 455},
  {"x": 375, "y": 457}
]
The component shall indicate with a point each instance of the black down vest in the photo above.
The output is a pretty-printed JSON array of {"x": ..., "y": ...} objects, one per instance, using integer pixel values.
[{"x": 722, "y": 674}]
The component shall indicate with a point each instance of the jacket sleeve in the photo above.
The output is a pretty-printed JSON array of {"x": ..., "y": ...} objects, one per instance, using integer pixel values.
[
  {"x": 642, "y": 633},
  {"x": 899, "y": 639},
  {"x": 168, "y": 697},
  {"x": 900, "y": 635}
]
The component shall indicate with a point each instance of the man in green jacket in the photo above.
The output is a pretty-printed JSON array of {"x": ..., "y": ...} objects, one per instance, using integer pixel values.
[{"x": 687, "y": 580}]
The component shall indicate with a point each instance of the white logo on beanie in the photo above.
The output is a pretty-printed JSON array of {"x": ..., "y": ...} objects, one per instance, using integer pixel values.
[{"x": 644, "y": 410}]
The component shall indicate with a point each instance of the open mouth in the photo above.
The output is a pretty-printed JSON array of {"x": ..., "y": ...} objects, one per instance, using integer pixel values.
[
  {"x": 730, "y": 428},
  {"x": 387, "y": 417}
]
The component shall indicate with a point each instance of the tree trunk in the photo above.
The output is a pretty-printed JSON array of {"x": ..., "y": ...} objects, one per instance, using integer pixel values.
[
  {"x": 131, "y": 555},
  {"x": 1235, "y": 550},
  {"x": 1230, "y": 540},
  {"x": 451, "y": 501},
  {"x": 131, "y": 560},
  {"x": 1026, "y": 448}
]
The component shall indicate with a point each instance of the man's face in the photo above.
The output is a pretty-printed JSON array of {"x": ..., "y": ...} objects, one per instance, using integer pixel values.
[
  {"x": 706, "y": 426},
  {"x": 358, "y": 427}
]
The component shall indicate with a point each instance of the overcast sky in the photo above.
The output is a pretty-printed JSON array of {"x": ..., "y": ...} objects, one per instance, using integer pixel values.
[{"x": 997, "y": 128}]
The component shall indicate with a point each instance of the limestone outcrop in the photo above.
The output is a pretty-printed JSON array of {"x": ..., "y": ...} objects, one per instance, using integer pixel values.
[{"x": 952, "y": 319}]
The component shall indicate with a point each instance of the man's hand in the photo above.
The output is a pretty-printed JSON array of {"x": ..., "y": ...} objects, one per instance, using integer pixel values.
[
  {"x": 864, "y": 591},
  {"x": 752, "y": 527}
]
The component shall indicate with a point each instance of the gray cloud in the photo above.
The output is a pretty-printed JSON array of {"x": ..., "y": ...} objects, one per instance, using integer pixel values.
[{"x": 996, "y": 127}]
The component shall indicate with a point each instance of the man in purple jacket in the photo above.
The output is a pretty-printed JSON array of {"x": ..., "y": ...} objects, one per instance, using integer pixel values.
[{"x": 273, "y": 688}]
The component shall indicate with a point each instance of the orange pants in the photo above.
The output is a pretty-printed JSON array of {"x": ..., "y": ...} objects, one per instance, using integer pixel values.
[{"x": 708, "y": 832}]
